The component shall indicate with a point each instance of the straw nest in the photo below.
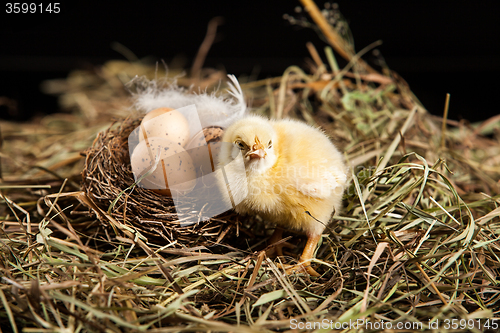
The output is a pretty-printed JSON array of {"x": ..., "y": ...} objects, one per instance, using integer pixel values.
[
  {"x": 108, "y": 182},
  {"x": 416, "y": 243}
]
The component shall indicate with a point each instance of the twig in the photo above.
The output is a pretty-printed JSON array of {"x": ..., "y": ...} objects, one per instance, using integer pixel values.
[
  {"x": 445, "y": 116},
  {"x": 331, "y": 35},
  {"x": 314, "y": 55},
  {"x": 431, "y": 283},
  {"x": 205, "y": 47}
]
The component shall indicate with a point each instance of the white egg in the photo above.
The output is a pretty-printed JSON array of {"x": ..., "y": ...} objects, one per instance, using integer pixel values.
[
  {"x": 174, "y": 172},
  {"x": 165, "y": 123}
]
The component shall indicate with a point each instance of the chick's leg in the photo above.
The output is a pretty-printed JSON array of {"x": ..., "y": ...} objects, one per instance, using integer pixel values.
[
  {"x": 307, "y": 255},
  {"x": 275, "y": 238}
]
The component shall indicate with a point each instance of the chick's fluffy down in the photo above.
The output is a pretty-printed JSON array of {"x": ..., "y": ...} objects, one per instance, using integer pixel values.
[{"x": 308, "y": 174}]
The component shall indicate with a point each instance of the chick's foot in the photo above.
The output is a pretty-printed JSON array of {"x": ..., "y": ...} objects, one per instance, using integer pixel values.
[
  {"x": 277, "y": 250},
  {"x": 305, "y": 259},
  {"x": 301, "y": 267}
]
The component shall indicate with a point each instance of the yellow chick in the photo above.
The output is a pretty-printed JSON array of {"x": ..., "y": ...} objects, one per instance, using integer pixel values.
[{"x": 291, "y": 168}]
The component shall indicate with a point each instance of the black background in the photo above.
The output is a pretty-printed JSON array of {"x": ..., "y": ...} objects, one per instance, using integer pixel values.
[{"x": 438, "y": 47}]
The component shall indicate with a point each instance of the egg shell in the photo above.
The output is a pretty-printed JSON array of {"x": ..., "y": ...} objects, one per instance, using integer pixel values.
[
  {"x": 165, "y": 123},
  {"x": 175, "y": 166},
  {"x": 200, "y": 150}
]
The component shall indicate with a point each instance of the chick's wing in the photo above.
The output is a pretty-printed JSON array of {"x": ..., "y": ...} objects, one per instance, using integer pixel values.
[{"x": 308, "y": 160}]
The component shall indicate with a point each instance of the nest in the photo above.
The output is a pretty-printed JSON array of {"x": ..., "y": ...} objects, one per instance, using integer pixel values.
[{"x": 108, "y": 181}]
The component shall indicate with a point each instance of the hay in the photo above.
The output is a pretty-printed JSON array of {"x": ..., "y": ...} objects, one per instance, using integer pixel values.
[{"x": 417, "y": 242}]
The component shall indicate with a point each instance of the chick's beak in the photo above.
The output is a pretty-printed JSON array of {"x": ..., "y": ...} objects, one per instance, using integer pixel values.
[{"x": 257, "y": 152}]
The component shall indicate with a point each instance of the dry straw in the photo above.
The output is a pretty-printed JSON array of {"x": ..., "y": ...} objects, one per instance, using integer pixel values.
[{"x": 416, "y": 243}]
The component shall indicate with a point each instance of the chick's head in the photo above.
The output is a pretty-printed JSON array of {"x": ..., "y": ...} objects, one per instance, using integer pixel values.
[{"x": 256, "y": 139}]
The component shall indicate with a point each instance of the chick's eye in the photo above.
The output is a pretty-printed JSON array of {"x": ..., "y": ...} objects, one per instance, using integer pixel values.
[
  {"x": 270, "y": 144},
  {"x": 241, "y": 145}
]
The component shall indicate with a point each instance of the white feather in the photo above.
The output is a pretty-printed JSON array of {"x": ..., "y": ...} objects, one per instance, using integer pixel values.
[{"x": 213, "y": 110}]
